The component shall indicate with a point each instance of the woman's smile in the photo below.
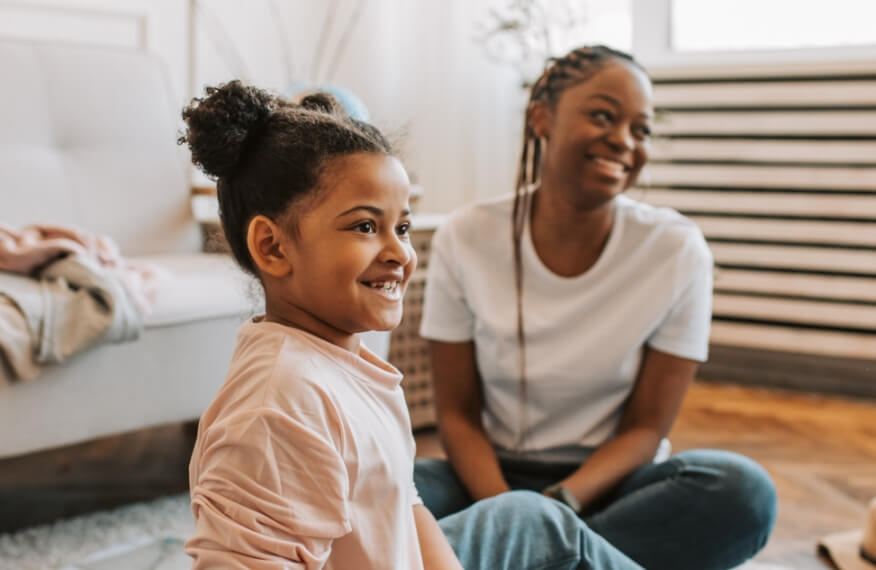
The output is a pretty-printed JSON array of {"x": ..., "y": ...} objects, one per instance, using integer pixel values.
[{"x": 609, "y": 167}]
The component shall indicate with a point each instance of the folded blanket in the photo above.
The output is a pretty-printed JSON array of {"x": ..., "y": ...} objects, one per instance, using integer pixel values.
[
  {"x": 27, "y": 250},
  {"x": 76, "y": 303},
  {"x": 16, "y": 346},
  {"x": 62, "y": 291}
]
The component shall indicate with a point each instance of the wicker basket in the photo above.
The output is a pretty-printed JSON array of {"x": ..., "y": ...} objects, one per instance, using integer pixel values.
[{"x": 407, "y": 350}]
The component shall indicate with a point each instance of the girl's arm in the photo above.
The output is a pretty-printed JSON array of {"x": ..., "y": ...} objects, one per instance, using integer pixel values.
[
  {"x": 251, "y": 469},
  {"x": 648, "y": 416},
  {"x": 459, "y": 402},
  {"x": 436, "y": 551}
]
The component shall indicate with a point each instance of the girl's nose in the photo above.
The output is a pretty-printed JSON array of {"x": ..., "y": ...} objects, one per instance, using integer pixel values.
[{"x": 397, "y": 250}]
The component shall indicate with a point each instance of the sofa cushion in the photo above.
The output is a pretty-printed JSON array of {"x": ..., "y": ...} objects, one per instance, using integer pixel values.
[
  {"x": 200, "y": 286},
  {"x": 88, "y": 139}
]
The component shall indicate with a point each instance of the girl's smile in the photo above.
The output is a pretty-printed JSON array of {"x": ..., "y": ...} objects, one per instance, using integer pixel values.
[
  {"x": 350, "y": 257},
  {"x": 387, "y": 287}
]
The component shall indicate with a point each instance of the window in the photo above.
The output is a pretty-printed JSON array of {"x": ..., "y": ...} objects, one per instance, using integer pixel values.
[{"x": 720, "y": 25}]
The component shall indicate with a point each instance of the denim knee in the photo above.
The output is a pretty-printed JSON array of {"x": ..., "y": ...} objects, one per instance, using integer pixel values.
[
  {"x": 440, "y": 489},
  {"x": 744, "y": 491}
]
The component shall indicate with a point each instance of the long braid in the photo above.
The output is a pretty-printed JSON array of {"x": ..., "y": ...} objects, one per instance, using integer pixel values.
[{"x": 559, "y": 74}]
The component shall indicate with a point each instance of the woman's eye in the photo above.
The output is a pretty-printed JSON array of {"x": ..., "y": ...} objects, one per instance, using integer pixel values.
[
  {"x": 404, "y": 229},
  {"x": 601, "y": 116},
  {"x": 365, "y": 227},
  {"x": 642, "y": 132}
]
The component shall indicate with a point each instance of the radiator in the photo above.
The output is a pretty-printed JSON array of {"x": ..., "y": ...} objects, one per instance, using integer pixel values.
[{"x": 778, "y": 168}]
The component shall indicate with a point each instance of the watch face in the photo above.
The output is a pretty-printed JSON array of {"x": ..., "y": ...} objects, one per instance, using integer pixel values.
[{"x": 568, "y": 498}]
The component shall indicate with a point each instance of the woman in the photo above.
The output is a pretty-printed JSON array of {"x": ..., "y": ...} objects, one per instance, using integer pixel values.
[{"x": 566, "y": 324}]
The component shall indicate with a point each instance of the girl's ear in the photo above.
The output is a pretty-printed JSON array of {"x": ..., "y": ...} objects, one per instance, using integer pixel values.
[
  {"x": 540, "y": 117},
  {"x": 268, "y": 248}
]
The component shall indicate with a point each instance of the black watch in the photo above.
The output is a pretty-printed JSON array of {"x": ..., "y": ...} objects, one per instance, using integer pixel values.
[{"x": 563, "y": 495}]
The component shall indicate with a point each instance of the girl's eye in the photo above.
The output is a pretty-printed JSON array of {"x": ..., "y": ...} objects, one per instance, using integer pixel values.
[
  {"x": 404, "y": 229},
  {"x": 365, "y": 227}
]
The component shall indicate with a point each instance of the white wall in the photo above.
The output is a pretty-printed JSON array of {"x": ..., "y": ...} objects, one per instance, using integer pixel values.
[{"x": 414, "y": 64}]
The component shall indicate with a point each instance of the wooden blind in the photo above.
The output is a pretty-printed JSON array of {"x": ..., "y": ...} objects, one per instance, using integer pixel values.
[{"x": 778, "y": 168}]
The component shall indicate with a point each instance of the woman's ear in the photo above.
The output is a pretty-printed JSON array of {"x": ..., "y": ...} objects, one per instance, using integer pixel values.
[
  {"x": 540, "y": 117},
  {"x": 268, "y": 247}
]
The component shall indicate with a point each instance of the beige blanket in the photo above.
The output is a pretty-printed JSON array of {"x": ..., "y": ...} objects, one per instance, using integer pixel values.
[
  {"x": 75, "y": 303},
  {"x": 61, "y": 291}
]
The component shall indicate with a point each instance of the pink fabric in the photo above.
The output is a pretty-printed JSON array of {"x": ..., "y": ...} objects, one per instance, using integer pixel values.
[
  {"x": 304, "y": 460},
  {"x": 26, "y": 250}
]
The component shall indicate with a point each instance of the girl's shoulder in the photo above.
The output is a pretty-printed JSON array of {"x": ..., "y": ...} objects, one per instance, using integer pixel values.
[{"x": 278, "y": 364}]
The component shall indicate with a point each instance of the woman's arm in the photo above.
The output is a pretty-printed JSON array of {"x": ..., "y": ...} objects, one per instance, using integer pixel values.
[
  {"x": 648, "y": 416},
  {"x": 436, "y": 551},
  {"x": 459, "y": 403}
]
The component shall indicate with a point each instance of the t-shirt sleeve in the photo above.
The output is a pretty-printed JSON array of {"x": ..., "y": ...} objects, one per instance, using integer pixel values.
[
  {"x": 684, "y": 332},
  {"x": 272, "y": 493},
  {"x": 446, "y": 313}
]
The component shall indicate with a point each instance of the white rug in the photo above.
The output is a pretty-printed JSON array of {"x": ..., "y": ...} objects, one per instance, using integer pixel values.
[
  {"x": 54, "y": 546},
  {"x": 64, "y": 543}
]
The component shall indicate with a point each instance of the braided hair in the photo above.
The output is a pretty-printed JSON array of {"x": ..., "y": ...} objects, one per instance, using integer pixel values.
[
  {"x": 560, "y": 73},
  {"x": 267, "y": 153}
]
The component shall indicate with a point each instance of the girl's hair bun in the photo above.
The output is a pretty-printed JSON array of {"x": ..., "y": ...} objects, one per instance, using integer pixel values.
[
  {"x": 221, "y": 125},
  {"x": 323, "y": 102}
]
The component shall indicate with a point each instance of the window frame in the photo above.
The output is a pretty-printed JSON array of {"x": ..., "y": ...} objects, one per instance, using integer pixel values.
[{"x": 652, "y": 45}]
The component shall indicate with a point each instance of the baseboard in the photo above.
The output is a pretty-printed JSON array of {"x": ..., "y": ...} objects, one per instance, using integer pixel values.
[{"x": 792, "y": 371}]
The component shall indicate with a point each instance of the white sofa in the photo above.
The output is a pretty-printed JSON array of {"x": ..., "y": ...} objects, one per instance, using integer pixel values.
[{"x": 88, "y": 138}]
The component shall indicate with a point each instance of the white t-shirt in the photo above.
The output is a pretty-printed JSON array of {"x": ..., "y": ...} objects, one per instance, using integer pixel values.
[
  {"x": 304, "y": 460},
  {"x": 652, "y": 285}
]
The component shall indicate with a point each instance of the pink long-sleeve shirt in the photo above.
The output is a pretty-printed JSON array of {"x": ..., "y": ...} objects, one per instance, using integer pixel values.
[{"x": 304, "y": 460}]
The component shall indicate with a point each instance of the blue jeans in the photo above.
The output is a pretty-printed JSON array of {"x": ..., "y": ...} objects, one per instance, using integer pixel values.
[
  {"x": 522, "y": 530},
  {"x": 698, "y": 510}
]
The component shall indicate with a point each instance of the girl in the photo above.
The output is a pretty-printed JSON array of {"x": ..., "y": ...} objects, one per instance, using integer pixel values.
[
  {"x": 305, "y": 458},
  {"x": 563, "y": 346}
]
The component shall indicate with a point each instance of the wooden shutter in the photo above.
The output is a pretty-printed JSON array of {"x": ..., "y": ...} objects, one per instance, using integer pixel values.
[{"x": 778, "y": 168}]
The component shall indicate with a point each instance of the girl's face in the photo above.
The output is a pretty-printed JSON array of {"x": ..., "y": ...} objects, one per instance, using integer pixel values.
[
  {"x": 598, "y": 133},
  {"x": 351, "y": 258}
]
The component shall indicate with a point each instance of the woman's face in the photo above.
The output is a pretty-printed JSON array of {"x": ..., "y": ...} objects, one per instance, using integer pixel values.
[{"x": 597, "y": 134}]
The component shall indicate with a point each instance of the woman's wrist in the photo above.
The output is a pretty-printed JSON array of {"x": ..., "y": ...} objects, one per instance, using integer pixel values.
[{"x": 564, "y": 495}]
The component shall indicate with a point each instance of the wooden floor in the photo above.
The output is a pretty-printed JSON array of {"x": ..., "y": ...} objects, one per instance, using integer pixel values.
[{"x": 820, "y": 451}]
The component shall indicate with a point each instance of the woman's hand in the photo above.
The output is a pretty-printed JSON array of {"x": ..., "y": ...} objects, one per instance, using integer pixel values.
[{"x": 647, "y": 418}]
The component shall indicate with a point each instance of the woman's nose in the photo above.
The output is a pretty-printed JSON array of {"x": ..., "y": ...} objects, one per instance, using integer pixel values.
[{"x": 621, "y": 137}]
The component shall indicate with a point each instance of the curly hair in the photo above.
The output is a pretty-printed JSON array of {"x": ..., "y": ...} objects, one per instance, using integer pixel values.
[{"x": 268, "y": 154}]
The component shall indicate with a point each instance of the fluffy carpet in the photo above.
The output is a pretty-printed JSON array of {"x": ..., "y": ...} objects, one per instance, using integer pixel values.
[
  {"x": 64, "y": 543},
  {"x": 70, "y": 541}
]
